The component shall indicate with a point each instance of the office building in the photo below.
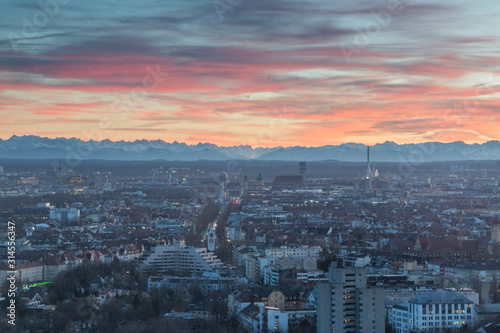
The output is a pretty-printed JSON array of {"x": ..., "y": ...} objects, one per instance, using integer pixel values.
[{"x": 433, "y": 311}]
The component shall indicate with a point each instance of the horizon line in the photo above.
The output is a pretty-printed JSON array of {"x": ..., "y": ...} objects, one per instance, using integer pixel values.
[{"x": 253, "y": 147}]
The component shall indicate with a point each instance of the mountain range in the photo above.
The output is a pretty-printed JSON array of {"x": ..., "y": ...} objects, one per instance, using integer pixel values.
[{"x": 35, "y": 147}]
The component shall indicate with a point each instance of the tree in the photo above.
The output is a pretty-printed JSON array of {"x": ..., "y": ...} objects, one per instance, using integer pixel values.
[
  {"x": 76, "y": 281},
  {"x": 110, "y": 315},
  {"x": 116, "y": 265},
  {"x": 208, "y": 215},
  {"x": 77, "y": 309},
  {"x": 143, "y": 308},
  {"x": 59, "y": 322},
  {"x": 220, "y": 309},
  {"x": 196, "y": 294},
  {"x": 325, "y": 259},
  {"x": 224, "y": 250},
  {"x": 304, "y": 326}
]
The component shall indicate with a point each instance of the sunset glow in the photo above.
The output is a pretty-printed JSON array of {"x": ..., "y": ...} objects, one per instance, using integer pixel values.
[{"x": 265, "y": 73}]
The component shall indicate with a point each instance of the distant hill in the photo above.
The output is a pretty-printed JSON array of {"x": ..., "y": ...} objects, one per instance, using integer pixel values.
[{"x": 35, "y": 147}]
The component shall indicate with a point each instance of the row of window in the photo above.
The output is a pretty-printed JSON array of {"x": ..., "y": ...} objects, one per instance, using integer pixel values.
[
  {"x": 449, "y": 323},
  {"x": 437, "y": 318},
  {"x": 446, "y": 308}
]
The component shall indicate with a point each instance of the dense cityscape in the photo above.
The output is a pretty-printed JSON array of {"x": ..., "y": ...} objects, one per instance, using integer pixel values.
[
  {"x": 249, "y": 166},
  {"x": 248, "y": 246}
]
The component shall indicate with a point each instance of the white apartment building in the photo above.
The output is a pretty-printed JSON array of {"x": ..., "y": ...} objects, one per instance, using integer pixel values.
[
  {"x": 435, "y": 310},
  {"x": 292, "y": 251},
  {"x": 64, "y": 214},
  {"x": 180, "y": 259},
  {"x": 24, "y": 272},
  {"x": 399, "y": 318},
  {"x": 281, "y": 321}
]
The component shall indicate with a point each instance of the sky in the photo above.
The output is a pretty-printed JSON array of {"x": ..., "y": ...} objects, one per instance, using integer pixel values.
[{"x": 255, "y": 72}]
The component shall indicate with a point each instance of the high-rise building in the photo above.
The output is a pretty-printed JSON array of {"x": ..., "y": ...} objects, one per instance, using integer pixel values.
[
  {"x": 65, "y": 215},
  {"x": 303, "y": 169},
  {"x": 347, "y": 304}
]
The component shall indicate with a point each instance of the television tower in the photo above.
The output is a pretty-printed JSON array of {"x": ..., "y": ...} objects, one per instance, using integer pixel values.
[{"x": 368, "y": 177}]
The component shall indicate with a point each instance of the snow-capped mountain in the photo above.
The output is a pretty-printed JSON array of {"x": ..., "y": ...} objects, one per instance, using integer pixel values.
[{"x": 61, "y": 148}]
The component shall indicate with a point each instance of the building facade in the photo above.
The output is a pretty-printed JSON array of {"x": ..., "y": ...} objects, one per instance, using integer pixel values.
[
  {"x": 181, "y": 259},
  {"x": 347, "y": 304},
  {"x": 293, "y": 251},
  {"x": 433, "y": 311},
  {"x": 207, "y": 284},
  {"x": 282, "y": 321}
]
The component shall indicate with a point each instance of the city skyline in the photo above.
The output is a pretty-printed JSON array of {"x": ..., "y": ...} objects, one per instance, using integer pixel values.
[{"x": 255, "y": 73}]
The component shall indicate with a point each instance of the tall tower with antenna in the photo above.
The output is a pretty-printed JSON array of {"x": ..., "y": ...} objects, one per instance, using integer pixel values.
[{"x": 368, "y": 177}]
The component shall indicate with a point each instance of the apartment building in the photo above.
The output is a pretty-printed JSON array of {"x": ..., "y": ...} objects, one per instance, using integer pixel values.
[
  {"x": 181, "y": 259},
  {"x": 347, "y": 304}
]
